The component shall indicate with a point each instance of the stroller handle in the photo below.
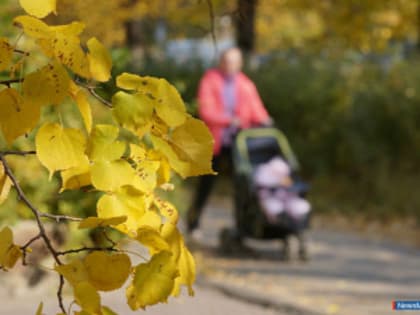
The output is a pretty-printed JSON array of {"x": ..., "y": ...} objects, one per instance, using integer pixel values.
[{"x": 241, "y": 146}]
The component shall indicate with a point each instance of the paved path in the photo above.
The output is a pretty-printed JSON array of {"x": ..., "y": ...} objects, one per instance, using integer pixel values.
[
  {"x": 206, "y": 302},
  {"x": 347, "y": 273}
]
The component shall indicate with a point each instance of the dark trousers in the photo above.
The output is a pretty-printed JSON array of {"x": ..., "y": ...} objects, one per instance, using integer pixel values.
[{"x": 204, "y": 187}]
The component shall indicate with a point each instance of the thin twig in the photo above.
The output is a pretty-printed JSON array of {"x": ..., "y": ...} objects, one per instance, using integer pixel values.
[
  {"x": 98, "y": 97},
  {"x": 19, "y": 51},
  {"x": 87, "y": 249},
  {"x": 23, "y": 153},
  {"x": 60, "y": 294},
  {"x": 9, "y": 82},
  {"x": 108, "y": 238},
  {"x": 134, "y": 254},
  {"x": 91, "y": 90},
  {"x": 24, "y": 248},
  {"x": 59, "y": 217}
]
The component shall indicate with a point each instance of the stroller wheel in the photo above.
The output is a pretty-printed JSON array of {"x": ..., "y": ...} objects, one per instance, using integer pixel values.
[
  {"x": 303, "y": 255},
  {"x": 285, "y": 250},
  {"x": 229, "y": 240}
]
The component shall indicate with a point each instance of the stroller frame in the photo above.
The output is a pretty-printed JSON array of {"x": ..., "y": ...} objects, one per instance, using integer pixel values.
[{"x": 250, "y": 221}]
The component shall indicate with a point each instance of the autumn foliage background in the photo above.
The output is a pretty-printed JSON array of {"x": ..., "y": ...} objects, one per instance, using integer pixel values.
[{"x": 340, "y": 78}]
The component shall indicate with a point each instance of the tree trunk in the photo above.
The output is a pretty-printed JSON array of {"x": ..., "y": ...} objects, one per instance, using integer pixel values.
[
  {"x": 133, "y": 29},
  {"x": 418, "y": 27},
  {"x": 245, "y": 25}
]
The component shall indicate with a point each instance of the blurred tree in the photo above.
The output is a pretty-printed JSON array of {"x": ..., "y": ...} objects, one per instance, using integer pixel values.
[
  {"x": 261, "y": 25},
  {"x": 357, "y": 24},
  {"x": 245, "y": 24}
]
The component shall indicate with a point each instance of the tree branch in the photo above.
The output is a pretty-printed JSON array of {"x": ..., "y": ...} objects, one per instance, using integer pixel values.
[{"x": 42, "y": 232}]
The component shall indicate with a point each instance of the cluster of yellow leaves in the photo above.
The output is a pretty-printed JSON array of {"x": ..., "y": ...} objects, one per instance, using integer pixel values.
[{"x": 167, "y": 140}]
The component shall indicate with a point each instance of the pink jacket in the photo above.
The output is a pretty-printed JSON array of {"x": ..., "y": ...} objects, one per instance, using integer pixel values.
[{"x": 249, "y": 108}]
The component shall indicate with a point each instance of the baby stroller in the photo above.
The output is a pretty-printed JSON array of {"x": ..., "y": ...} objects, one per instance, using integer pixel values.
[{"x": 253, "y": 147}]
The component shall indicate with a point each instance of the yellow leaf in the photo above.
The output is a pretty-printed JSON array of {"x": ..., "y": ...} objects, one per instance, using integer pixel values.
[
  {"x": 59, "y": 148},
  {"x": 103, "y": 145},
  {"x": 13, "y": 254},
  {"x": 93, "y": 222},
  {"x": 182, "y": 167},
  {"x": 61, "y": 42},
  {"x": 181, "y": 257},
  {"x": 107, "y": 311},
  {"x": 73, "y": 29},
  {"x": 9, "y": 252},
  {"x": 167, "y": 209},
  {"x": 159, "y": 127},
  {"x": 164, "y": 171},
  {"x": 127, "y": 201},
  {"x": 166, "y": 99},
  {"x": 39, "y": 309},
  {"x": 174, "y": 238},
  {"x": 146, "y": 169},
  {"x": 6, "y": 53},
  {"x": 150, "y": 219},
  {"x": 169, "y": 104},
  {"x": 76, "y": 177},
  {"x": 189, "y": 150},
  {"x": 74, "y": 272},
  {"x": 111, "y": 175},
  {"x": 100, "y": 61},
  {"x": 17, "y": 116},
  {"x": 151, "y": 238},
  {"x": 186, "y": 267},
  {"x": 129, "y": 81},
  {"x": 107, "y": 272},
  {"x": 33, "y": 27},
  {"x": 193, "y": 141},
  {"x": 133, "y": 111},
  {"x": 153, "y": 281},
  {"x": 81, "y": 99},
  {"x": 39, "y": 8},
  {"x": 46, "y": 86},
  {"x": 5, "y": 184},
  {"x": 6, "y": 240},
  {"x": 137, "y": 152},
  {"x": 87, "y": 297},
  {"x": 147, "y": 172},
  {"x": 67, "y": 50}
]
